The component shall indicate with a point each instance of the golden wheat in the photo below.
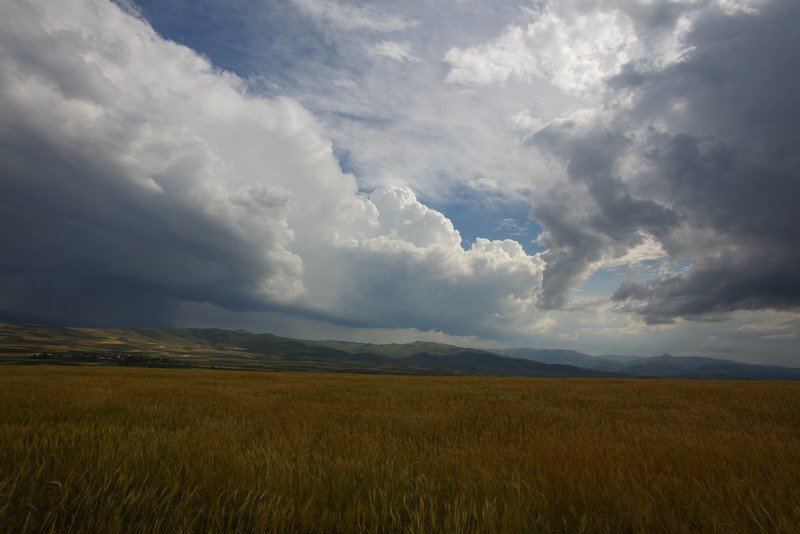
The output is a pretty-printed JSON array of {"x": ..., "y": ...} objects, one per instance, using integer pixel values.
[{"x": 94, "y": 449}]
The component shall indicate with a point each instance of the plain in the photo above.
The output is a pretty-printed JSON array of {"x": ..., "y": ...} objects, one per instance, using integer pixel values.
[{"x": 96, "y": 448}]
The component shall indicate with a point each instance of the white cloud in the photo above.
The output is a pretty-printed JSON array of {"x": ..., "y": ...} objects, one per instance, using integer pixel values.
[
  {"x": 350, "y": 17},
  {"x": 398, "y": 51},
  {"x": 741, "y": 6},
  {"x": 649, "y": 249},
  {"x": 576, "y": 45},
  {"x": 574, "y": 50},
  {"x": 130, "y": 7},
  {"x": 406, "y": 266},
  {"x": 394, "y": 121}
]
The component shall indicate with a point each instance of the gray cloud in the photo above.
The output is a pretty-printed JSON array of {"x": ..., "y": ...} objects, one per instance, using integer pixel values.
[
  {"x": 703, "y": 159},
  {"x": 595, "y": 215}
]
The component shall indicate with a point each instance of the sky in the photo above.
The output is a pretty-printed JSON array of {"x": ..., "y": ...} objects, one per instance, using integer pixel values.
[{"x": 610, "y": 176}]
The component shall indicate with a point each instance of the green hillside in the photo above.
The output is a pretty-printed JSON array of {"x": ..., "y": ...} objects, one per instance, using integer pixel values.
[{"x": 239, "y": 349}]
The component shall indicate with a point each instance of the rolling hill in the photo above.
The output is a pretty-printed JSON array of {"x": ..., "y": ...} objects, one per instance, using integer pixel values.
[{"x": 240, "y": 349}]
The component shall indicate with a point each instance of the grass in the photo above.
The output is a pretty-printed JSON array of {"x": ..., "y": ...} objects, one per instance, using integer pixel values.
[
  {"x": 181, "y": 347},
  {"x": 102, "y": 449},
  {"x": 18, "y": 342}
]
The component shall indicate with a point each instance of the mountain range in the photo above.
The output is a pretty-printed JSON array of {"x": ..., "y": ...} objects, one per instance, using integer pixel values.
[
  {"x": 239, "y": 349},
  {"x": 663, "y": 366}
]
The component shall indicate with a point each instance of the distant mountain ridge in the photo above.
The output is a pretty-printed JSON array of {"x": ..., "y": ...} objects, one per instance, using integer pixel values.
[
  {"x": 662, "y": 366},
  {"x": 240, "y": 349}
]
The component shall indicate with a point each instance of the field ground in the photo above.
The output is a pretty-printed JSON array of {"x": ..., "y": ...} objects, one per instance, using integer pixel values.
[{"x": 104, "y": 449}]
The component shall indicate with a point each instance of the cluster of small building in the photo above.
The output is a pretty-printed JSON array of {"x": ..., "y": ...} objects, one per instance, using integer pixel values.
[{"x": 125, "y": 358}]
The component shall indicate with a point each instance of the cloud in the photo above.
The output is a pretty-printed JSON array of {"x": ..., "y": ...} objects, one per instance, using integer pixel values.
[
  {"x": 511, "y": 227},
  {"x": 407, "y": 267},
  {"x": 135, "y": 177},
  {"x": 349, "y": 17},
  {"x": 594, "y": 218},
  {"x": 398, "y": 51},
  {"x": 571, "y": 46},
  {"x": 698, "y": 155},
  {"x": 576, "y": 45},
  {"x": 139, "y": 181},
  {"x": 130, "y": 7}
]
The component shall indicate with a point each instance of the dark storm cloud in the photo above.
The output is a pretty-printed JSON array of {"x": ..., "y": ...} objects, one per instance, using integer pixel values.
[
  {"x": 714, "y": 289},
  {"x": 87, "y": 233},
  {"x": 710, "y": 168},
  {"x": 66, "y": 226},
  {"x": 577, "y": 234}
]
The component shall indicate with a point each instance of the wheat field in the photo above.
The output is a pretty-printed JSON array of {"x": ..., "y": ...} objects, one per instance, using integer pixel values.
[{"x": 103, "y": 449}]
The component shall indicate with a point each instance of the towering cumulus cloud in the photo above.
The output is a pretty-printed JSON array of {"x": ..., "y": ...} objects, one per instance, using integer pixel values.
[{"x": 135, "y": 176}]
